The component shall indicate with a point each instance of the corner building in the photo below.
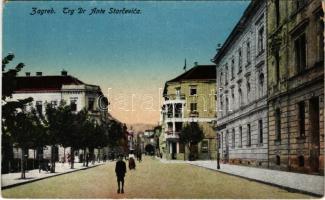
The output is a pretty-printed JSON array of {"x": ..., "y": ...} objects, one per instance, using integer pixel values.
[{"x": 242, "y": 91}]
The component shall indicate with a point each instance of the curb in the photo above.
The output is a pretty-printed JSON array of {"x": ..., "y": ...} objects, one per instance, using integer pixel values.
[
  {"x": 34, "y": 180},
  {"x": 289, "y": 189}
]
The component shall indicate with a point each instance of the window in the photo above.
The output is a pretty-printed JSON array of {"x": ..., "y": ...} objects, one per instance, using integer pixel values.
[
  {"x": 219, "y": 140},
  {"x": 193, "y": 90},
  {"x": 240, "y": 94},
  {"x": 221, "y": 104},
  {"x": 277, "y": 66},
  {"x": 240, "y": 136},
  {"x": 248, "y": 52},
  {"x": 39, "y": 107},
  {"x": 277, "y": 12},
  {"x": 249, "y": 142},
  {"x": 226, "y": 75},
  {"x": 178, "y": 91},
  {"x": 73, "y": 104},
  {"x": 261, "y": 84},
  {"x": 260, "y": 44},
  {"x": 239, "y": 60},
  {"x": 300, "y": 53},
  {"x": 278, "y": 124},
  {"x": 221, "y": 76},
  {"x": 232, "y": 69},
  {"x": 204, "y": 146},
  {"x": 193, "y": 107},
  {"x": 320, "y": 36},
  {"x": 233, "y": 138},
  {"x": 227, "y": 105},
  {"x": 54, "y": 104},
  {"x": 260, "y": 126},
  {"x": 301, "y": 118},
  {"x": 248, "y": 85},
  {"x": 91, "y": 104},
  {"x": 233, "y": 93}
]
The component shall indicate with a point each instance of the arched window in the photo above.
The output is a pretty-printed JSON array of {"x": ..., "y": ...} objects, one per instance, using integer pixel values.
[
  {"x": 240, "y": 95},
  {"x": 261, "y": 84}
]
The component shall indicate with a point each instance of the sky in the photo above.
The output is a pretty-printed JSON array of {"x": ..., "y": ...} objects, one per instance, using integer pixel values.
[{"x": 130, "y": 56}]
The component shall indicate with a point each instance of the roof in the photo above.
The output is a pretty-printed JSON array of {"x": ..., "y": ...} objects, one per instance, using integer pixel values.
[
  {"x": 238, "y": 29},
  {"x": 199, "y": 72},
  {"x": 44, "y": 83}
]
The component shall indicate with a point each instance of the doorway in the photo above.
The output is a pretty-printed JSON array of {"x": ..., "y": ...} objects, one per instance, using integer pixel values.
[
  {"x": 314, "y": 125},
  {"x": 173, "y": 150}
]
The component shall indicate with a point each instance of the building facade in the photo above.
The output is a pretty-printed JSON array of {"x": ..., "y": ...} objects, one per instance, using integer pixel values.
[
  {"x": 188, "y": 98},
  {"x": 57, "y": 89},
  {"x": 242, "y": 91},
  {"x": 296, "y": 85}
]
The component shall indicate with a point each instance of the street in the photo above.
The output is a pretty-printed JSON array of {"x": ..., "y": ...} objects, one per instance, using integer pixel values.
[{"x": 151, "y": 179}]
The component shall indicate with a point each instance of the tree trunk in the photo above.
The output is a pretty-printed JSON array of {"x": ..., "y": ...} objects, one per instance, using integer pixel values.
[
  {"x": 52, "y": 159},
  {"x": 22, "y": 165},
  {"x": 84, "y": 158},
  {"x": 98, "y": 156},
  {"x": 92, "y": 154},
  {"x": 72, "y": 157}
]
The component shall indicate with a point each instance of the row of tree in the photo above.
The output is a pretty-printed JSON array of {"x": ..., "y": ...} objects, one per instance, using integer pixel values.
[{"x": 26, "y": 128}]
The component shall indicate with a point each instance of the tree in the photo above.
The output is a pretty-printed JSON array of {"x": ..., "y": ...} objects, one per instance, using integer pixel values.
[
  {"x": 10, "y": 109},
  {"x": 24, "y": 130},
  {"x": 191, "y": 135}
]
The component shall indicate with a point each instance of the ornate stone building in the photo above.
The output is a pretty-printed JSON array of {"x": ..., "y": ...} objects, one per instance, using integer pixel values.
[
  {"x": 190, "y": 97},
  {"x": 242, "y": 93},
  {"x": 296, "y": 85}
]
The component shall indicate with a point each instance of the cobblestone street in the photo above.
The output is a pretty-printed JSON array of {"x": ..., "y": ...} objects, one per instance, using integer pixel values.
[{"x": 151, "y": 179}]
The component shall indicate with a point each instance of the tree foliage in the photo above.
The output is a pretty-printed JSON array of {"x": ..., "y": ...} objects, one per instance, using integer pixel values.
[{"x": 191, "y": 135}]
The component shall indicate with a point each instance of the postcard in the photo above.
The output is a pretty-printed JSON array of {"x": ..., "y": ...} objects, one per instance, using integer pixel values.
[{"x": 163, "y": 99}]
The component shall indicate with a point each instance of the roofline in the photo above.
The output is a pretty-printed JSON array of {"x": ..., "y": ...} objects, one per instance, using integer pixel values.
[{"x": 240, "y": 26}]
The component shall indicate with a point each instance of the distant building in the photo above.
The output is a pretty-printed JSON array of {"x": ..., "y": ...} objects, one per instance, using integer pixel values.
[
  {"x": 56, "y": 89},
  {"x": 190, "y": 97},
  {"x": 296, "y": 85},
  {"x": 242, "y": 90}
]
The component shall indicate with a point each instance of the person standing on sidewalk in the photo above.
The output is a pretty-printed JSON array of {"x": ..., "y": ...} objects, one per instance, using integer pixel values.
[{"x": 120, "y": 170}]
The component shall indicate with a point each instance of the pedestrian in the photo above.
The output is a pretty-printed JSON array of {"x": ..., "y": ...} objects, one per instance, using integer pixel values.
[
  {"x": 131, "y": 163},
  {"x": 104, "y": 158},
  {"x": 120, "y": 170},
  {"x": 140, "y": 156}
]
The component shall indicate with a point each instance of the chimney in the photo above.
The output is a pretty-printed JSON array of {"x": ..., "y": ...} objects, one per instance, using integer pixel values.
[
  {"x": 38, "y": 73},
  {"x": 27, "y": 73},
  {"x": 64, "y": 73},
  {"x": 196, "y": 64}
]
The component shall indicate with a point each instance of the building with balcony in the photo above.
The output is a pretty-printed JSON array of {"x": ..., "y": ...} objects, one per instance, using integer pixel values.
[
  {"x": 242, "y": 126},
  {"x": 190, "y": 97},
  {"x": 296, "y": 85},
  {"x": 56, "y": 89}
]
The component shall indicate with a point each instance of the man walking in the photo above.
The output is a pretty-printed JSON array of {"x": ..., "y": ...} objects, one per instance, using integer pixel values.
[{"x": 120, "y": 170}]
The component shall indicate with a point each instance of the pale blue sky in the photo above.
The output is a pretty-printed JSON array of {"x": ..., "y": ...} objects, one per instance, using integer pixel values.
[{"x": 128, "y": 53}]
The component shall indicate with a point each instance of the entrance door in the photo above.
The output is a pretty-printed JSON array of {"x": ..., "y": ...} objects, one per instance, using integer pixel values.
[
  {"x": 173, "y": 150},
  {"x": 314, "y": 125}
]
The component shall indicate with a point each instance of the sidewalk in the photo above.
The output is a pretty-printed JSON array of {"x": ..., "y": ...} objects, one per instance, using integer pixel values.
[
  {"x": 309, "y": 184},
  {"x": 13, "y": 179}
]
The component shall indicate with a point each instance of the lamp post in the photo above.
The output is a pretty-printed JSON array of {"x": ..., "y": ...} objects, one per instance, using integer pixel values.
[{"x": 218, "y": 154}]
